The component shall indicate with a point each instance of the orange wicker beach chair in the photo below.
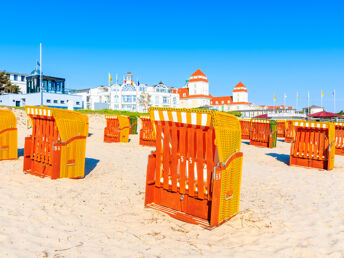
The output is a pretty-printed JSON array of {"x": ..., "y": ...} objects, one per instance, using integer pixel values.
[
  {"x": 263, "y": 133},
  {"x": 8, "y": 135},
  {"x": 117, "y": 128},
  {"x": 281, "y": 124},
  {"x": 57, "y": 145},
  {"x": 314, "y": 145},
  {"x": 147, "y": 133},
  {"x": 339, "y": 138},
  {"x": 195, "y": 173},
  {"x": 245, "y": 128}
]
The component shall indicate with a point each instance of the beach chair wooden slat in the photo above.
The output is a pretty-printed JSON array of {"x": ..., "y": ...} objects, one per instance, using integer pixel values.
[
  {"x": 166, "y": 156},
  {"x": 200, "y": 163},
  {"x": 191, "y": 161},
  {"x": 183, "y": 141},
  {"x": 174, "y": 158}
]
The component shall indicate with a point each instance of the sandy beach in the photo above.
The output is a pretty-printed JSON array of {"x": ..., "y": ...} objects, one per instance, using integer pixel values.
[{"x": 284, "y": 211}]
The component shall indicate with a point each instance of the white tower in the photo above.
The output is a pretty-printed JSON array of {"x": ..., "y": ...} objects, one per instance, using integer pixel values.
[
  {"x": 240, "y": 93},
  {"x": 198, "y": 84}
]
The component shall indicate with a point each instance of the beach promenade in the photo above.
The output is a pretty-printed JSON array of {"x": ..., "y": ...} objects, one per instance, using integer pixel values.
[{"x": 284, "y": 211}]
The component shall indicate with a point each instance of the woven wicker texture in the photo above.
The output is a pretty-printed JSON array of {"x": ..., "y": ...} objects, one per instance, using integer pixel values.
[{"x": 8, "y": 135}]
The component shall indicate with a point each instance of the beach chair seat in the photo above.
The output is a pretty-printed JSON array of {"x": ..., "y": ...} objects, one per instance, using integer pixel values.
[
  {"x": 263, "y": 133},
  {"x": 117, "y": 128},
  {"x": 339, "y": 127},
  {"x": 195, "y": 172},
  {"x": 8, "y": 135},
  {"x": 281, "y": 128},
  {"x": 314, "y": 145},
  {"x": 57, "y": 145},
  {"x": 147, "y": 133},
  {"x": 133, "y": 124},
  {"x": 245, "y": 128},
  {"x": 289, "y": 131}
]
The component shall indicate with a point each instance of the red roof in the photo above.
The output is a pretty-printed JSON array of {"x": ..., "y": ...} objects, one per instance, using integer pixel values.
[
  {"x": 226, "y": 100},
  {"x": 196, "y": 96},
  {"x": 324, "y": 114},
  {"x": 240, "y": 85},
  {"x": 182, "y": 91},
  {"x": 198, "y": 80},
  {"x": 265, "y": 116},
  {"x": 198, "y": 73}
]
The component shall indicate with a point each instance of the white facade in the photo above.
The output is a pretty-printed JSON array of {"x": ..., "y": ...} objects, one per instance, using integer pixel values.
[
  {"x": 49, "y": 99},
  {"x": 126, "y": 96},
  {"x": 18, "y": 79}
]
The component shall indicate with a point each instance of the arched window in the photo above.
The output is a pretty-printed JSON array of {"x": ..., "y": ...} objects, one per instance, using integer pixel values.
[{"x": 128, "y": 87}]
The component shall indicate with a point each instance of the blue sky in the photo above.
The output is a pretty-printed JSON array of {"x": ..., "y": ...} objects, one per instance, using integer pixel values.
[{"x": 271, "y": 46}]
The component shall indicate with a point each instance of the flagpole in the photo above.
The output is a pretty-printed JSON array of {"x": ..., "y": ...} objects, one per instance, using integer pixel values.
[
  {"x": 40, "y": 72},
  {"x": 334, "y": 100},
  {"x": 297, "y": 100},
  {"x": 308, "y": 103}
]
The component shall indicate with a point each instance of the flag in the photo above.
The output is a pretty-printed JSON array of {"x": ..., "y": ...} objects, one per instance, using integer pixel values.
[
  {"x": 132, "y": 83},
  {"x": 333, "y": 93},
  {"x": 322, "y": 93},
  {"x": 297, "y": 95},
  {"x": 138, "y": 83},
  {"x": 110, "y": 78},
  {"x": 38, "y": 63},
  {"x": 275, "y": 97}
]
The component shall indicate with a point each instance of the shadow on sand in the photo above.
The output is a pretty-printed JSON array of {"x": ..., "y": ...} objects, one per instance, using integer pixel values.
[
  {"x": 280, "y": 157},
  {"x": 90, "y": 165}
]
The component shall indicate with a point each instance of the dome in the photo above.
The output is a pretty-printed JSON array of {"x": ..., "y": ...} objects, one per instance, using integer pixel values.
[
  {"x": 198, "y": 76},
  {"x": 240, "y": 87}
]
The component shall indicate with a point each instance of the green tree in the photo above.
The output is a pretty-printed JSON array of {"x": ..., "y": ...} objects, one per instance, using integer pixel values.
[
  {"x": 341, "y": 113},
  {"x": 6, "y": 86}
]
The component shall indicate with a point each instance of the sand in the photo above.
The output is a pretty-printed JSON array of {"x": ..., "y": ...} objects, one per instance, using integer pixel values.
[{"x": 284, "y": 211}]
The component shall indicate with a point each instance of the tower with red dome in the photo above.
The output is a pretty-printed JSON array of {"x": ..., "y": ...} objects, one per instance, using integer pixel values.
[{"x": 240, "y": 93}]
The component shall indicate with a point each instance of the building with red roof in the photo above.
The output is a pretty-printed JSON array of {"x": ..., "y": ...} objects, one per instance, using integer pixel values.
[{"x": 195, "y": 92}]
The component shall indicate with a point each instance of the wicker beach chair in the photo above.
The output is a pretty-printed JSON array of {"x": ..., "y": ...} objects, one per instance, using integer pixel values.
[{"x": 195, "y": 173}]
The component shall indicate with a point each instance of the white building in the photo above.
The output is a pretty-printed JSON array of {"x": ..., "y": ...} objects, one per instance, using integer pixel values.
[
  {"x": 312, "y": 109},
  {"x": 127, "y": 96},
  {"x": 54, "y": 92},
  {"x": 55, "y": 100},
  {"x": 18, "y": 79},
  {"x": 195, "y": 92}
]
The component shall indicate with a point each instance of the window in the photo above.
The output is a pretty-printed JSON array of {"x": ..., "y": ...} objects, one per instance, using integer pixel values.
[
  {"x": 48, "y": 101},
  {"x": 22, "y": 78},
  {"x": 222, "y": 102},
  {"x": 55, "y": 101},
  {"x": 228, "y": 101},
  {"x": 78, "y": 103},
  {"x": 217, "y": 102},
  {"x": 156, "y": 99},
  {"x": 62, "y": 102},
  {"x": 15, "y": 77},
  {"x": 164, "y": 100},
  {"x": 126, "y": 99},
  {"x": 116, "y": 98},
  {"x": 184, "y": 94}
]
